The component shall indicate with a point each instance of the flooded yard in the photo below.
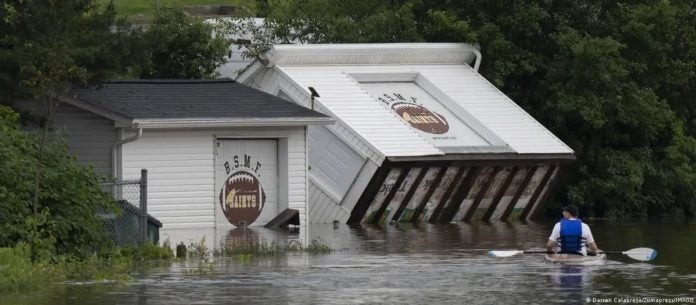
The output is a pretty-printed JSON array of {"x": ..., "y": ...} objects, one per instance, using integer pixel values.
[{"x": 415, "y": 264}]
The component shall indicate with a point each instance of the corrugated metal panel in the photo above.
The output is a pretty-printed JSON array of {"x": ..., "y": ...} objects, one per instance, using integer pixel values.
[
  {"x": 182, "y": 174},
  {"x": 381, "y": 127},
  {"x": 90, "y": 136}
]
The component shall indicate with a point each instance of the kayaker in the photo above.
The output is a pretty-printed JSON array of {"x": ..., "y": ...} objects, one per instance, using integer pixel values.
[{"x": 571, "y": 235}]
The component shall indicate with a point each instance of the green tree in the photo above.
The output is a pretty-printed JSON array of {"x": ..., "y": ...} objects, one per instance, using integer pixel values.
[
  {"x": 69, "y": 201},
  {"x": 177, "y": 46},
  {"x": 50, "y": 47}
]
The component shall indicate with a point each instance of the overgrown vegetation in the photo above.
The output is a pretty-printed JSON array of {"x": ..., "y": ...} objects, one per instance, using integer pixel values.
[
  {"x": 256, "y": 248},
  {"x": 201, "y": 260},
  {"x": 20, "y": 273},
  {"x": 71, "y": 197},
  {"x": 274, "y": 248}
]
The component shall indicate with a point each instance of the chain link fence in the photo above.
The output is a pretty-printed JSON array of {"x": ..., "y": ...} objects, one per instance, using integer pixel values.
[{"x": 133, "y": 226}]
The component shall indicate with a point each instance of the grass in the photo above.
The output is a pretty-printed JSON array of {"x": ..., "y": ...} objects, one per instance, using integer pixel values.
[
  {"x": 246, "y": 250},
  {"x": 198, "y": 255},
  {"x": 146, "y": 8},
  {"x": 19, "y": 274}
]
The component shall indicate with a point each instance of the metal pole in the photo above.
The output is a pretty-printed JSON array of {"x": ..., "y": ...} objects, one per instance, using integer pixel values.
[{"x": 143, "y": 205}]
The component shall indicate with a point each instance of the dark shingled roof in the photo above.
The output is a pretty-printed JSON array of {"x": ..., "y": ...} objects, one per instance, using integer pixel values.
[{"x": 171, "y": 99}]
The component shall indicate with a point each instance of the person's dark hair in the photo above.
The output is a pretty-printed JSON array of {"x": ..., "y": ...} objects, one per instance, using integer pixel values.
[{"x": 572, "y": 209}]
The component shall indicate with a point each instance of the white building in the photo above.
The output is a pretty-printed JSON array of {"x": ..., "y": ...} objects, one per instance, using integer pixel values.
[
  {"x": 420, "y": 135},
  {"x": 219, "y": 154}
]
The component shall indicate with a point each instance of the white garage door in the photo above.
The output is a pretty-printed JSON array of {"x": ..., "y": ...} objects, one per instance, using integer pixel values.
[{"x": 246, "y": 179}]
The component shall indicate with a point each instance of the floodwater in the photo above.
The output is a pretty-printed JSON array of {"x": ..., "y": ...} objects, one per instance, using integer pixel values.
[{"x": 417, "y": 264}]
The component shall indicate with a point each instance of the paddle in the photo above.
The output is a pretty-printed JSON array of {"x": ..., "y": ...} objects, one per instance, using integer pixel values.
[{"x": 639, "y": 254}]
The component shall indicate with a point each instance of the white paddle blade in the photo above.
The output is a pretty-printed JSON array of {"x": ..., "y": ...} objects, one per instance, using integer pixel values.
[
  {"x": 504, "y": 253},
  {"x": 641, "y": 254}
]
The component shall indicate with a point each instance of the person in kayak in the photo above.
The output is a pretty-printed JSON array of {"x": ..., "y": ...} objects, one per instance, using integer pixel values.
[{"x": 571, "y": 235}]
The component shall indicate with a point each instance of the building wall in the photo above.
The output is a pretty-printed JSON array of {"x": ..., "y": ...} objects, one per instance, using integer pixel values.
[
  {"x": 89, "y": 136},
  {"x": 181, "y": 165}
]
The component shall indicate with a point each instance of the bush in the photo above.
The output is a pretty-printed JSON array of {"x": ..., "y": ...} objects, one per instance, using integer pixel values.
[
  {"x": 19, "y": 273},
  {"x": 65, "y": 221}
]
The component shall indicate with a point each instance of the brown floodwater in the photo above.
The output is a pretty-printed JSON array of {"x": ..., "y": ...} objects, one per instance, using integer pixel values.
[{"x": 416, "y": 264}]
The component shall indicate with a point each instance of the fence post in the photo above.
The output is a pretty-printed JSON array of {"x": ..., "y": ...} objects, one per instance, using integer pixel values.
[{"x": 143, "y": 205}]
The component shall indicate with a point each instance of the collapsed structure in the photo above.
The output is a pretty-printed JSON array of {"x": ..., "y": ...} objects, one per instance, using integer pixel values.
[{"x": 419, "y": 134}]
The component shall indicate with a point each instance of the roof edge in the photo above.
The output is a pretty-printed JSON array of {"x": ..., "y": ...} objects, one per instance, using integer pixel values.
[
  {"x": 560, "y": 157},
  {"x": 98, "y": 110},
  {"x": 231, "y": 122},
  {"x": 372, "y": 54},
  {"x": 170, "y": 81}
]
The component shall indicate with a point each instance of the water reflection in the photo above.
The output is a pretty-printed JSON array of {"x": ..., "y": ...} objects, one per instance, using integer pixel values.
[
  {"x": 408, "y": 264},
  {"x": 571, "y": 278}
]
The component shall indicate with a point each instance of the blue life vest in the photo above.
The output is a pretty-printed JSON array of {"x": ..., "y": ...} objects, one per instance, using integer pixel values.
[{"x": 571, "y": 236}]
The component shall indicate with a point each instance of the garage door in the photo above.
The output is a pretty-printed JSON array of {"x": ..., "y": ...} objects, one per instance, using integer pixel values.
[{"x": 246, "y": 179}]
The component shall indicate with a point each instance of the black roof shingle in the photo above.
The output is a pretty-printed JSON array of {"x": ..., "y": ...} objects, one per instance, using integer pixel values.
[{"x": 189, "y": 99}]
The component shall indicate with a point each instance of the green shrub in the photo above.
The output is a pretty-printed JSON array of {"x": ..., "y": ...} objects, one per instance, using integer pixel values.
[
  {"x": 18, "y": 273},
  {"x": 246, "y": 249},
  {"x": 70, "y": 196},
  {"x": 149, "y": 252}
]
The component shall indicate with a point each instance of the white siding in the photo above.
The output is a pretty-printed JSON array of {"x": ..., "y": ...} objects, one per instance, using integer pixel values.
[
  {"x": 322, "y": 208},
  {"x": 181, "y": 171},
  {"x": 274, "y": 81},
  {"x": 493, "y": 109},
  {"x": 333, "y": 164},
  {"x": 344, "y": 97}
]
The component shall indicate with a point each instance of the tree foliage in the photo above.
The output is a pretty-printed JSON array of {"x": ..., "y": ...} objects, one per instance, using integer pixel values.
[
  {"x": 72, "y": 196},
  {"x": 614, "y": 80},
  {"x": 47, "y": 48},
  {"x": 177, "y": 46}
]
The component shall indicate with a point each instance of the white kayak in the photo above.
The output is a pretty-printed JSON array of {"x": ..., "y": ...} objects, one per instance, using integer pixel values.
[{"x": 574, "y": 259}]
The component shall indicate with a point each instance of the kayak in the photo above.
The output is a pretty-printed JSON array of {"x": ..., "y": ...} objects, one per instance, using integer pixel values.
[{"x": 574, "y": 259}]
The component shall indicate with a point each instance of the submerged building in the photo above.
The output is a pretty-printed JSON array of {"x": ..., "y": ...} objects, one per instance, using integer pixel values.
[{"x": 420, "y": 135}]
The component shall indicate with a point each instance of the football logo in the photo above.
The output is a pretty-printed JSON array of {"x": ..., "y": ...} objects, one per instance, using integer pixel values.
[
  {"x": 242, "y": 198},
  {"x": 421, "y": 118}
]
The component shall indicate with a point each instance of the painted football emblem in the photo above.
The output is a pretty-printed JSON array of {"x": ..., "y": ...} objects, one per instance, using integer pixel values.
[
  {"x": 242, "y": 198},
  {"x": 421, "y": 118}
]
